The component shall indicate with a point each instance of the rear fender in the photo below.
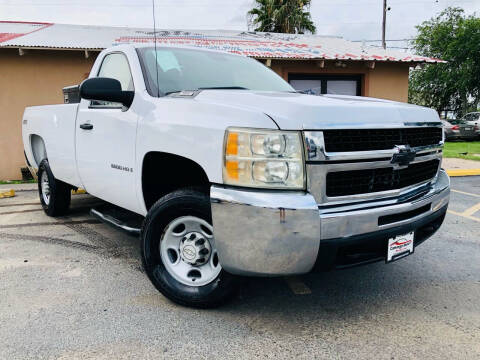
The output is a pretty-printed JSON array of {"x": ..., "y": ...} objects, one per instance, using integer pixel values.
[{"x": 38, "y": 149}]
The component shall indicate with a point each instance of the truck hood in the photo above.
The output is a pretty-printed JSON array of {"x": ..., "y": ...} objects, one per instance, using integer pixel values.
[{"x": 294, "y": 111}]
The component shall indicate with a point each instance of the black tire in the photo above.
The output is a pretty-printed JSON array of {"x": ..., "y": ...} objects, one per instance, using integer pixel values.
[
  {"x": 60, "y": 192},
  {"x": 185, "y": 202}
]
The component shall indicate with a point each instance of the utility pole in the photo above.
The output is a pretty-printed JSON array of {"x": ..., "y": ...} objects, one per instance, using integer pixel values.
[{"x": 384, "y": 23}]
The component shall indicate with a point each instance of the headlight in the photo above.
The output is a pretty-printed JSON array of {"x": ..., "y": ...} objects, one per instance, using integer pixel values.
[{"x": 263, "y": 158}]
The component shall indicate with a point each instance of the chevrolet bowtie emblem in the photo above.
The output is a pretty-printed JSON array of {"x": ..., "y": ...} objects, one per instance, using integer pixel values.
[{"x": 404, "y": 155}]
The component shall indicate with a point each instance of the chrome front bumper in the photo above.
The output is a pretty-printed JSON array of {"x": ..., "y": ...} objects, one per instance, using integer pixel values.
[
  {"x": 270, "y": 233},
  {"x": 265, "y": 232}
]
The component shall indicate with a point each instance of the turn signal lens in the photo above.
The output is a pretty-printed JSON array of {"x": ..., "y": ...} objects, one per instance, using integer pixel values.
[
  {"x": 232, "y": 144},
  {"x": 264, "y": 158},
  {"x": 232, "y": 169}
]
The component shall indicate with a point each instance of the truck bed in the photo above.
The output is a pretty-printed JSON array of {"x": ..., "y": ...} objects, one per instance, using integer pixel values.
[{"x": 51, "y": 129}]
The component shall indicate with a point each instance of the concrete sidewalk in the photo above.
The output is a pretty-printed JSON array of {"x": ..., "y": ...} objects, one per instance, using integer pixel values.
[
  {"x": 10, "y": 190},
  {"x": 461, "y": 167},
  {"x": 19, "y": 187}
]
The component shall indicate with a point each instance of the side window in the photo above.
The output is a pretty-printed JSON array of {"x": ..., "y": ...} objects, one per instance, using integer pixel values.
[{"x": 115, "y": 66}]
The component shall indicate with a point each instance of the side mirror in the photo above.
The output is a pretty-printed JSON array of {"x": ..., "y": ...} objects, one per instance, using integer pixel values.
[{"x": 105, "y": 89}]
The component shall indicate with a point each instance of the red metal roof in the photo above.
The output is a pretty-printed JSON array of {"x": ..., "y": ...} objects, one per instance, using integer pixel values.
[{"x": 258, "y": 45}]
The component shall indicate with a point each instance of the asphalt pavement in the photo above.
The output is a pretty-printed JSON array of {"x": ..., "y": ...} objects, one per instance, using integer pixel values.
[{"x": 73, "y": 288}]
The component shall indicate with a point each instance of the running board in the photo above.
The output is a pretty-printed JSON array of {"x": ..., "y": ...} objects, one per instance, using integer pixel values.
[{"x": 116, "y": 223}]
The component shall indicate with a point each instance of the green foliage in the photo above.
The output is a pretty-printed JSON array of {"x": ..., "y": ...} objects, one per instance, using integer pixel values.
[
  {"x": 7, "y": 182},
  {"x": 469, "y": 150},
  {"x": 282, "y": 16},
  {"x": 455, "y": 85}
]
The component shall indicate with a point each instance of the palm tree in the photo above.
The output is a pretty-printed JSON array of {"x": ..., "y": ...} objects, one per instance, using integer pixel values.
[{"x": 283, "y": 16}]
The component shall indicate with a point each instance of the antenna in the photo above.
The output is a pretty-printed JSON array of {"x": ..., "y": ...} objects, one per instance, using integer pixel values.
[{"x": 155, "y": 39}]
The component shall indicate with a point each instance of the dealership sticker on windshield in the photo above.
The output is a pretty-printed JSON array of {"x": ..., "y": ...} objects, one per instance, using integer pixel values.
[{"x": 400, "y": 246}]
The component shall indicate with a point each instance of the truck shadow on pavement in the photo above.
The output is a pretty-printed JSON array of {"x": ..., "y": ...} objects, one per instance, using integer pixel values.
[{"x": 338, "y": 292}]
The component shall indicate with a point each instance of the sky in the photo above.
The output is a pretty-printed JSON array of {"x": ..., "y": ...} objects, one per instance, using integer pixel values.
[{"x": 352, "y": 19}]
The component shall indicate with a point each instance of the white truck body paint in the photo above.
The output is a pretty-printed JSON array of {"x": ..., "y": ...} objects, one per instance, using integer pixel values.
[
  {"x": 192, "y": 127},
  {"x": 55, "y": 124},
  {"x": 294, "y": 111},
  {"x": 360, "y": 187},
  {"x": 181, "y": 126}
]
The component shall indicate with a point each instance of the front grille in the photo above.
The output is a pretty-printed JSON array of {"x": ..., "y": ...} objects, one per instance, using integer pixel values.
[
  {"x": 379, "y": 139},
  {"x": 354, "y": 182},
  {"x": 390, "y": 219}
]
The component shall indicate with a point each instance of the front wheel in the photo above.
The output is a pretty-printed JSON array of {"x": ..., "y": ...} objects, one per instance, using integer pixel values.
[{"x": 179, "y": 253}]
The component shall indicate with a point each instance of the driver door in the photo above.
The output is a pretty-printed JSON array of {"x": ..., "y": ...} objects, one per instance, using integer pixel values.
[{"x": 105, "y": 140}]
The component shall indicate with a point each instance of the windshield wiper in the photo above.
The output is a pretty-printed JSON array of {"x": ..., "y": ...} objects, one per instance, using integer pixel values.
[
  {"x": 207, "y": 88},
  {"x": 223, "y": 88}
]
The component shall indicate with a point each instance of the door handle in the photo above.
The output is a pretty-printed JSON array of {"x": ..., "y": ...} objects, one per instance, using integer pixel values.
[{"x": 86, "y": 126}]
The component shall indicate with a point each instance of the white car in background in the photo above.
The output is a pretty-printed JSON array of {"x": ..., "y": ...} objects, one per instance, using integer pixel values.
[{"x": 470, "y": 126}]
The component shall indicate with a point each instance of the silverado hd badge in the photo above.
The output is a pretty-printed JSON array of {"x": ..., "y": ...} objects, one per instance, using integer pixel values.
[{"x": 120, "y": 167}]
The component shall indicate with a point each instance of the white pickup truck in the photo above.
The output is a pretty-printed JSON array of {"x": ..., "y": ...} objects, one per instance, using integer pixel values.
[{"x": 236, "y": 173}]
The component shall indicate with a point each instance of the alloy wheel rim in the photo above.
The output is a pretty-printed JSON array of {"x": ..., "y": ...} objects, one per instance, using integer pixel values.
[
  {"x": 188, "y": 252},
  {"x": 45, "y": 188}
]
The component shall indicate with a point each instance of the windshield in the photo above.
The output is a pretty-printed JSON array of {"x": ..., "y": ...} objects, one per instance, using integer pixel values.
[{"x": 185, "y": 69}]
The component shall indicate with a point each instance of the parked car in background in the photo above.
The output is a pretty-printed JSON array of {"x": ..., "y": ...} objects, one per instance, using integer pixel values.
[
  {"x": 452, "y": 131},
  {"x": 470, "y": 126}
]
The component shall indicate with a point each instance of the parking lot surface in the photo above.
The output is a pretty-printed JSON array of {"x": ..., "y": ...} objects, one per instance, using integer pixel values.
[{"x": 73, "y": 288}]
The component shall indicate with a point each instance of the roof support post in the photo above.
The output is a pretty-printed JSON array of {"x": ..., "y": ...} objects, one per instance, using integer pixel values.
[{"x": 384, "y": 23}]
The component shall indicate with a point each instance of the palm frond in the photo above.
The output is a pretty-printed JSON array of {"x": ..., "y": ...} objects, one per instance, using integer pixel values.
[{"x": 285, "y": 16}]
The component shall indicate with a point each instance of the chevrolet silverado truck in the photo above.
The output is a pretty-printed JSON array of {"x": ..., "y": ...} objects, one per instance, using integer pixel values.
[{"x": 236, "y": 174}]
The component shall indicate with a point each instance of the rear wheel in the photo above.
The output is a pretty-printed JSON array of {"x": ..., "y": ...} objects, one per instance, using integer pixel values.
[
  {"x": 179, "y": 253},
  {"x": 54, "y": 194}
]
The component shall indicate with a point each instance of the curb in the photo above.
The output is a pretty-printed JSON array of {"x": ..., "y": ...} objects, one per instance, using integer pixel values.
[
  {"x": 463, "y": 172},
  {"x": 7, "y": 193},
  {"x": 19, "y": 187},
  {"x": 78, "y": 192}
]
